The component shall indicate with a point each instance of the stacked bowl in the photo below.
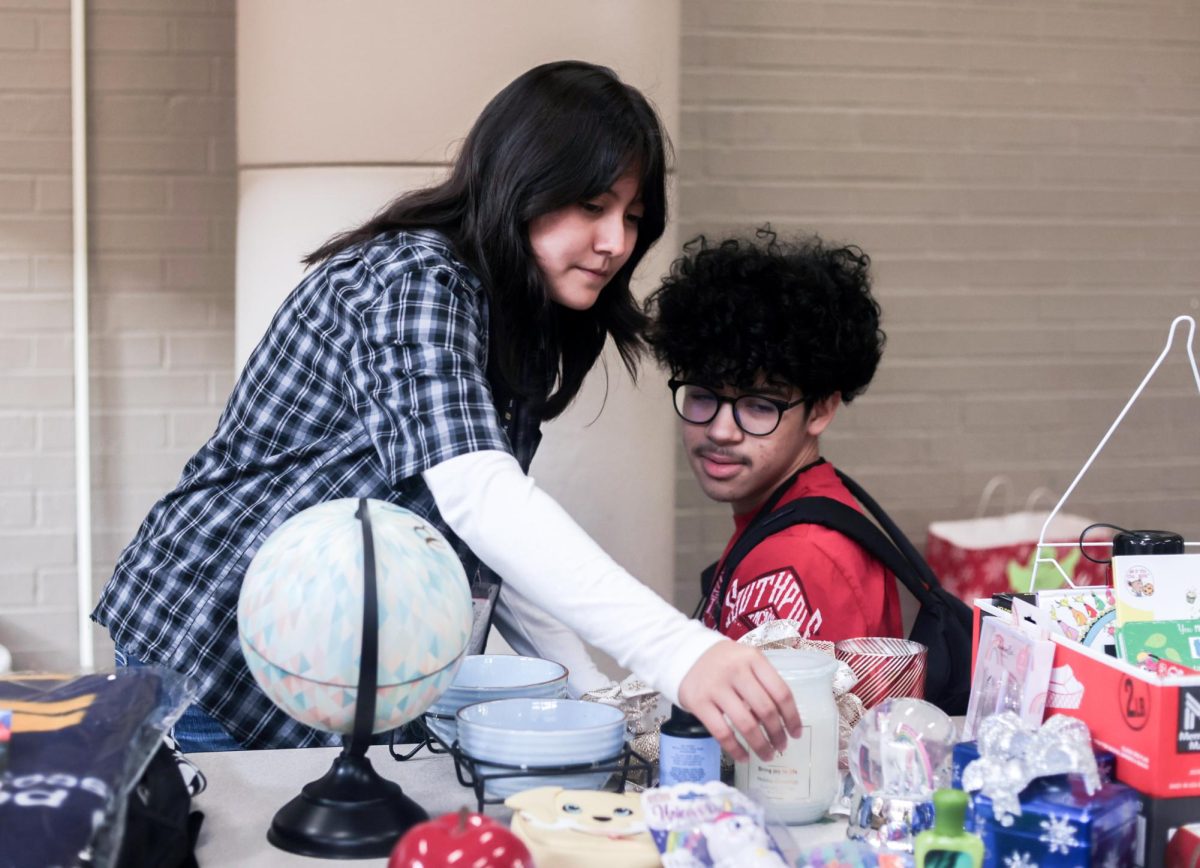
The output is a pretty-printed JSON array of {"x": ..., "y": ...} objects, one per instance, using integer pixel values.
[
  {"x": 507, "y": 736},
  {"x": 483, "y": 677}
]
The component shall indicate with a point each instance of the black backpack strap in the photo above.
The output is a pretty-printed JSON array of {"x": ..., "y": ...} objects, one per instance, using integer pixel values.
[
  {"x": 851, "y": 523},
  {"x": 918, "y": 562},
  {"x": 826, "y": 512},
  {"x": 943, "y": 623}
]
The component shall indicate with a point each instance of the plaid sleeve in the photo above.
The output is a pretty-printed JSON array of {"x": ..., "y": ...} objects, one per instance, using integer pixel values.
[{"x": 417, "y": 371}]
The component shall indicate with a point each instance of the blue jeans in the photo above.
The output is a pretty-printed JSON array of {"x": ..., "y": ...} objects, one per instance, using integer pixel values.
[{"x": 196, "y": 731}]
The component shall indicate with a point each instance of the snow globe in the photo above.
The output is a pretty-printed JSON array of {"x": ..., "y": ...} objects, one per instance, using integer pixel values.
[{"x": 899, "y": 754}]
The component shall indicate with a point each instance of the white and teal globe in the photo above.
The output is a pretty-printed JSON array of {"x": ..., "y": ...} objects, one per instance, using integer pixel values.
[{"x": 301, "y": 609}]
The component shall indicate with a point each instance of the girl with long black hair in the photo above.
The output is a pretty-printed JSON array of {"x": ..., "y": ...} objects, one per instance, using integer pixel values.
[{"x": 415, "y": 364}]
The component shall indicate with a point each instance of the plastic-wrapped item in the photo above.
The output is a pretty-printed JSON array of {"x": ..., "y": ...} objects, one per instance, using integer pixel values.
[
  {"x": 709, "y": 825},
  {"x": 79, "y": 746}
]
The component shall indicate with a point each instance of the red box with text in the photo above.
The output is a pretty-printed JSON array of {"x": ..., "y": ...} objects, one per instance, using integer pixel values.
[{"x": 1151, "y": 725}]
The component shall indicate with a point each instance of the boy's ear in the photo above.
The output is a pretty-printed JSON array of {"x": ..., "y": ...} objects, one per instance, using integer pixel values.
[{"x": 822, "y": 414}]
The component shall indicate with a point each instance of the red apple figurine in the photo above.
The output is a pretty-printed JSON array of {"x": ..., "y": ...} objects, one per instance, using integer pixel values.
[{"x": 461, "y": 840}]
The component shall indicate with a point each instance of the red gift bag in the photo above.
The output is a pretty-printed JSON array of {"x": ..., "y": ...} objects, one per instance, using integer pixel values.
[{"x": 986, "y": 555}]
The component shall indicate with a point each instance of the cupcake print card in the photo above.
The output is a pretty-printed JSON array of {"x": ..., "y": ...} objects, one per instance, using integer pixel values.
[{"x": 1156, "y": 587}]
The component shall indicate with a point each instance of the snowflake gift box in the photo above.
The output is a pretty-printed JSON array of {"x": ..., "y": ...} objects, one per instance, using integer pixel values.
[{"x": 1060, "y": 826}]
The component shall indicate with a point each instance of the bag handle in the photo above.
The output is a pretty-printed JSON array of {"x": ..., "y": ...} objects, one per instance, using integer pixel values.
[
  {"x": 996, "y": 483},
  {"x": 1038, "y": 494},
  {"x": 1039, "y": 557}
]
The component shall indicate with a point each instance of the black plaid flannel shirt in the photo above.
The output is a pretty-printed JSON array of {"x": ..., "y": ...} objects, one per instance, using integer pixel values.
[{"x": 372, "y": 370}]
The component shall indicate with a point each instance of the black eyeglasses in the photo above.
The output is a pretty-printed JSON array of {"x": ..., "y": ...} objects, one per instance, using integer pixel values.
[{"x": 757, "y": 415}]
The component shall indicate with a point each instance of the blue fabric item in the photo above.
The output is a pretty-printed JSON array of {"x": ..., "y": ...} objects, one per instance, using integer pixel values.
[
  {"x": 372, "y": 370},
  {"x": 195, "y": 731},
  {"x": 1060, "y": 826}
]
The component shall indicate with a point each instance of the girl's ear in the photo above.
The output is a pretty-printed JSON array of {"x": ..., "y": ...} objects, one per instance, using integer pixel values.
[{"x": 822, "y": 414}]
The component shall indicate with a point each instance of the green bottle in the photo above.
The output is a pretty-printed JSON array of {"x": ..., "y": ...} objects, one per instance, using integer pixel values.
[{"x": 947, "y": 844}]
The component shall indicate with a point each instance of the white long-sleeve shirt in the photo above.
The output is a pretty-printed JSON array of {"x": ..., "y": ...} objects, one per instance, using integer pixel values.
[{"x": 556, "y": 575}]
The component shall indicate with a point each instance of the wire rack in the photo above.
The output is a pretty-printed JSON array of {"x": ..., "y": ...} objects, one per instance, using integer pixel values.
[{"x": 468, "y": 769}]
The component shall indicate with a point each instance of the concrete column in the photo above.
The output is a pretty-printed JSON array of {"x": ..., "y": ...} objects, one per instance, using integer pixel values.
[{"x": 341, "y": 106}]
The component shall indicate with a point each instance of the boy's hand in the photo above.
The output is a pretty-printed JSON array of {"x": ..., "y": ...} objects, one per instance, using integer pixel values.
[{"x": 735, "y": 684}]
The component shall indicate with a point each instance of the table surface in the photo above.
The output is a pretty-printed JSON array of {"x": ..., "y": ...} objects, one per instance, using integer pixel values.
[{"x": 246, "y": 788}]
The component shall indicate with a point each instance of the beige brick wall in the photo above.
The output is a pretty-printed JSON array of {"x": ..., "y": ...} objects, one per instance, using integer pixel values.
[
  {"x": 162, "y": 196},
  {"x": 1026, "y": 177}
]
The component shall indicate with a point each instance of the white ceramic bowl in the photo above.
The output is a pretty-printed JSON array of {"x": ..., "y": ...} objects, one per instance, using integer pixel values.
[
  {"x": 538, "y": 733},
  {"x": 484, "y": 677}
]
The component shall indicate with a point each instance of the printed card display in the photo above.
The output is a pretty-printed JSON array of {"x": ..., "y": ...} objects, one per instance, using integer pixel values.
[
  {"x": 1083, "y": 614},
  {"x": 1167, "y": 647},
  {"x": 1012, "y": 673},
  {"x": 1157, "y": 587}
]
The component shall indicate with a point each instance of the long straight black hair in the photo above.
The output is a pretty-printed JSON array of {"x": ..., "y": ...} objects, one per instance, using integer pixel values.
[{"x": 560, "y": 134}]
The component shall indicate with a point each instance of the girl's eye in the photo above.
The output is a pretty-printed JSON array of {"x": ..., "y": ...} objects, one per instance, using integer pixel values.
[
  {"x": 635, "y": 219},
  {"x": 572, "y": 808},
  {"x": 591, "y": 207},
  {"x": 622, "y": 812}
]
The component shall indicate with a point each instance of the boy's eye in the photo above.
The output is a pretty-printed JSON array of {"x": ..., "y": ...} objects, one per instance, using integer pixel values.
[
  {"x": 572, "y": 808},
  {"x": 622, "y": 812},
  {"x": 757, "y": 406}
]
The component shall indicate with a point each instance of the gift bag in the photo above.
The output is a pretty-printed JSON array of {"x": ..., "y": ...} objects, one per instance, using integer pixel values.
[{"x": 986, "y": 555}]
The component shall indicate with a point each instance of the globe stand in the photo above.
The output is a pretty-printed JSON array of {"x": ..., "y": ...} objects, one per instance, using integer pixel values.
[{"x": 351, "y": 812}]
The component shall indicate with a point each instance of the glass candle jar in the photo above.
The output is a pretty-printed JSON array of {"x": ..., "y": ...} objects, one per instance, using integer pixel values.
[{"x": 800, "y": 784}]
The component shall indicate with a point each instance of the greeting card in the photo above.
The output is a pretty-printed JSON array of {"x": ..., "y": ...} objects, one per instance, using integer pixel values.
[
  {"x": 1082, "y": 614},
  {"x": 1157, "y": 587},
  {"x": 1012, "y": 673}
]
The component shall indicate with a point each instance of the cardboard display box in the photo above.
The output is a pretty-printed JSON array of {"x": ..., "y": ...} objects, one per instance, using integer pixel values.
[{"x": 1151, "y": 725}]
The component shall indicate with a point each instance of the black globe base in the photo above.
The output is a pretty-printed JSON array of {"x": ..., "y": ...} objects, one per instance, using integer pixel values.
[{"x": 350, "y": 813}]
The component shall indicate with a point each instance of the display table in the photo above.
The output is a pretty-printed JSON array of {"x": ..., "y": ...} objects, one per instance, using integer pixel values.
[{"x": 246, "y": 788}]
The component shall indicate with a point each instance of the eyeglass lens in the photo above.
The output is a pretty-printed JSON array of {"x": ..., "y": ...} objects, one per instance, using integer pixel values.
[{"x": 753, "y": 414}]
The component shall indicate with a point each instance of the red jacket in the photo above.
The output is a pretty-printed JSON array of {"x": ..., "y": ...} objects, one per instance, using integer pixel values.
[{"x": 810, "y": 574}]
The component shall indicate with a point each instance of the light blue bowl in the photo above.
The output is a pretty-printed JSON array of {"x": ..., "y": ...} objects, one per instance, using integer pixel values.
[
  {"x": 538, "y": 733},
  {"x": 484, "y": 677}
]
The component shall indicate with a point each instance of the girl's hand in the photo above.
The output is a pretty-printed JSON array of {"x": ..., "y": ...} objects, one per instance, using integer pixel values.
[{"x": 735, "y": 684}]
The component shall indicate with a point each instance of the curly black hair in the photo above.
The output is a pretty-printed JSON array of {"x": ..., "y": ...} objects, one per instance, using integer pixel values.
[{"x": 800, "y": 314}]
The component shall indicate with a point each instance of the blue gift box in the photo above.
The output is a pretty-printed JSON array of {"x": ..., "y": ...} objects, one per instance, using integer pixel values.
[
  {"x": 1060, "y": 826},
  {"x": 966, "y": 751}
]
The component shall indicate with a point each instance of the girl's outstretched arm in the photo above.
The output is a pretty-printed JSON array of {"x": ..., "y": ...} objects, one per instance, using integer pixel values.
[{"x": 524, "y": 535}]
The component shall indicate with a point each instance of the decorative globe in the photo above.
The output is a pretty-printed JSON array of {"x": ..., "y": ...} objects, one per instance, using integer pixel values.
[
  {"x": 300, "y": 614},
  {"x": 902, "y": 747}
]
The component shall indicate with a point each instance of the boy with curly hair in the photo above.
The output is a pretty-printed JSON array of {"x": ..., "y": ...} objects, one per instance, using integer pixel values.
[{"x": 765, "y": 341}]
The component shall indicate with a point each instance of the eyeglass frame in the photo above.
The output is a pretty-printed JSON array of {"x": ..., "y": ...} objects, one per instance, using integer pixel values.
[{"x": 782, "y": 406}]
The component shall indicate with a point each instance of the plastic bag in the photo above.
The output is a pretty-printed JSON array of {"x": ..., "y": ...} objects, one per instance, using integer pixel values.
[{"x": 79, "y": 746}]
